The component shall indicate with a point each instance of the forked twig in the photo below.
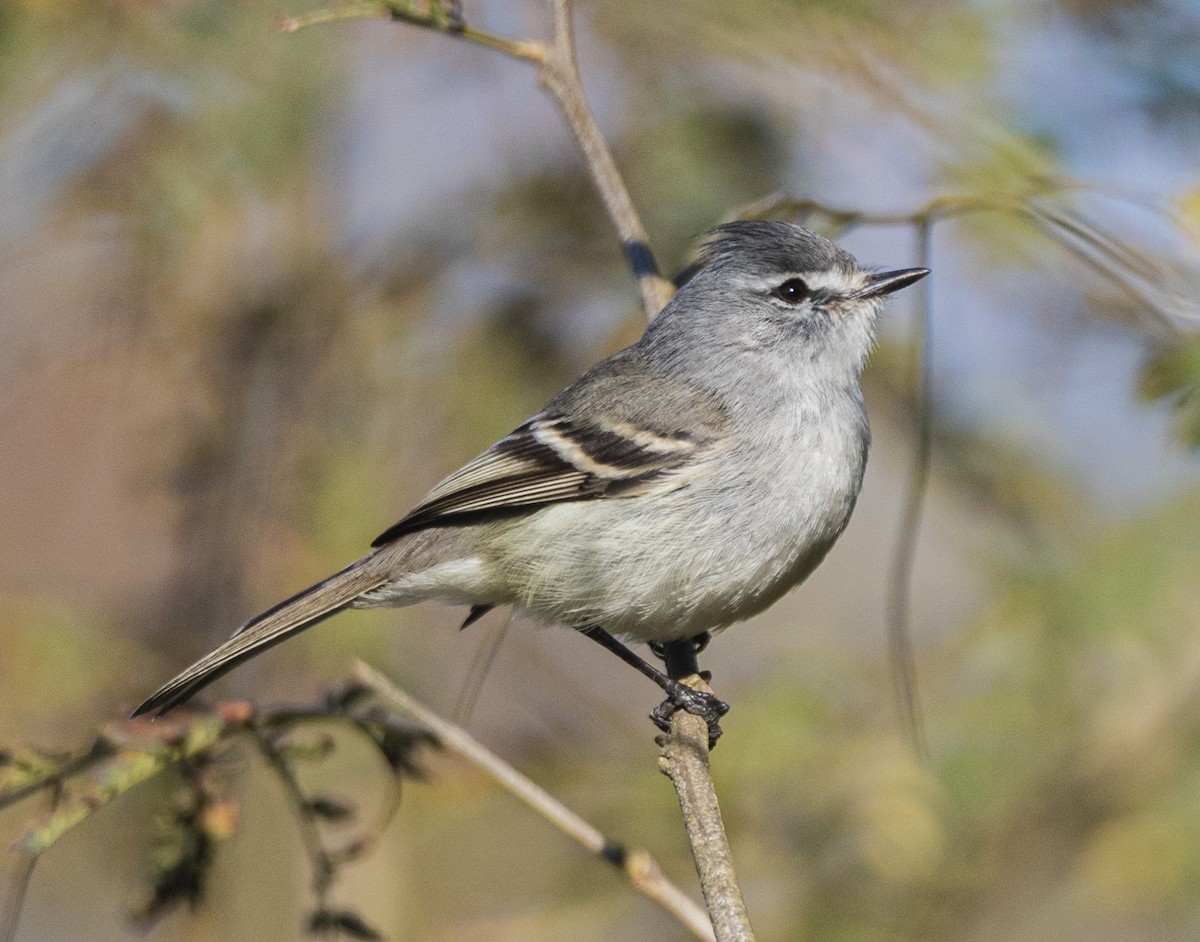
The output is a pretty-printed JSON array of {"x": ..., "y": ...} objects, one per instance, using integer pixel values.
[{"x": 558, "y": 74}]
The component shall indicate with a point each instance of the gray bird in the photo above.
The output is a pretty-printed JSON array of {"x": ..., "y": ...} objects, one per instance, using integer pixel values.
[{"x": 681, "y": 485}]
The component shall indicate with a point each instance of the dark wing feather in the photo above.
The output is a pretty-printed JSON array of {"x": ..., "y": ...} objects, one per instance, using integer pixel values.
[{"x": 610, "y": 446}]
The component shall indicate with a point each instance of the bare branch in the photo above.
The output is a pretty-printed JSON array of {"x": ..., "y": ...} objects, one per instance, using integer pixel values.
[
  {"x": 437, "y": 20},
  {"x": 18, "y": 894},
  {"x": 23, "y": 880},
  {"x": 558, "y": 74},
  {"x": 322, "y": 865},
  {"x": 643, "y": 872},
  {"x": 1133, "y": 272},
  {"x": 684, "y": 761}
]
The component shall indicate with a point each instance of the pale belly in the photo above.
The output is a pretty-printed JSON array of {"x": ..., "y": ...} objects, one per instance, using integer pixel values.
[
  {"x": 674, "y": 565},
  {"x": 661, "y": 566}
]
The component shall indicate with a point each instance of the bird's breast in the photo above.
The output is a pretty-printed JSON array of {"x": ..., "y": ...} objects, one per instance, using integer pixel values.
[{"x": 757, "y": 521}]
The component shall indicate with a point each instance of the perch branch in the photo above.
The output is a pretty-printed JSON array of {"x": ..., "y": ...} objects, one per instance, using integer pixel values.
[
  {"x": 684, "y": 760},
  {"x": 638, "y": 866},
  {"x": 685, "y": 748}
]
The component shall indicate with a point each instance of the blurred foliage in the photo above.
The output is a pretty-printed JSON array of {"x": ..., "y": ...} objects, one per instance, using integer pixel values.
[
  {"x": 1063, "y": 743},
  {"x": 87, "y": 653},
  {"x": 1172, "y": 374},
  {"x": 304, "y": 384},
  {"x": 680, "y": 167},
  {"x": 184, "y": 835},
  {"x": 195, "y": 815}
]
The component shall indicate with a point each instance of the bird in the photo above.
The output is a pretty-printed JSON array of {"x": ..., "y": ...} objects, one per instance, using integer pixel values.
[{"x": 679, "y": 486}]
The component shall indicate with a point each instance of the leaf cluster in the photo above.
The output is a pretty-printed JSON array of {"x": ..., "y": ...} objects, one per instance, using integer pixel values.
[{"x": 188, "y": 754}]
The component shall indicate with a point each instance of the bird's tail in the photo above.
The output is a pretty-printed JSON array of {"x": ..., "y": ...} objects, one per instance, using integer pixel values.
[{"x": 289, "y": 617}]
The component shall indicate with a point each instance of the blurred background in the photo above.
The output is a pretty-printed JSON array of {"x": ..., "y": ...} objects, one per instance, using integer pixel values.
[{"x": 258, "y": 292}]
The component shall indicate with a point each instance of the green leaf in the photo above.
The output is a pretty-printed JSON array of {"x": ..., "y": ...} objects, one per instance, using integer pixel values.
[
  {"x": 1172, "y": 374},
  {"x": 1171, "y": 370}
]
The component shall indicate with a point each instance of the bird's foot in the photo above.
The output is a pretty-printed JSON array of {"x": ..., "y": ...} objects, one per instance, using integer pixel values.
[{"x": 697, "y": 702}]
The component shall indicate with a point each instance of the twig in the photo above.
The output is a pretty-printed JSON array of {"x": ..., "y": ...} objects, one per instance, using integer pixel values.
[
  {"x": 643, "y": 872},
  {"x": 899, "y": 601},
  {"x": 310, "y": 836},
  {"x": 524, "y": 50},
  {"x": 1112, "y": 259},
  {"x": 20, "y": 889},
  {"x": 558, "y": 74},
  {"x": 23, "y": 880},
  {"x": 684, "y": 760},
  {"x": 99, "y": 751}
]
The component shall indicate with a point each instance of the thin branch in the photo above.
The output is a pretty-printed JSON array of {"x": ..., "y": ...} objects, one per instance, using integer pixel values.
[
  {"x": 481, "y": 666},
  {"x": 20, "y": 890},
  {"x": 320, "y": 860},
  {"x": 1108, "y": 258},
  {"x": 643, "y": 872},
  {"x": 100, "y": 750},
  {"x": 899, "y": 595},
  {"x": 1111, "y": 258},
  {"x": 22, "y": 881},
  {"x": 526, "y": 51},
  {"x": 558, "y": 74},
  {"x": 684, "y": 760}
]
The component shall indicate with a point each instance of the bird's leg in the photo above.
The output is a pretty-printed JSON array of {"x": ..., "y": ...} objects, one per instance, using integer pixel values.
[
  {"x": 679, "y": 695},
  {"x": 699, "y": 643}
]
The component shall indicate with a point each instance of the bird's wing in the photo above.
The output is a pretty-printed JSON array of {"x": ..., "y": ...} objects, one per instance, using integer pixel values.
[{"x": 609, "y": 435}]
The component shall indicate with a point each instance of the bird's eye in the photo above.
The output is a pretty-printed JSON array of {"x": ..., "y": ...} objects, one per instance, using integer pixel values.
[{"x": 793, "y": 291}]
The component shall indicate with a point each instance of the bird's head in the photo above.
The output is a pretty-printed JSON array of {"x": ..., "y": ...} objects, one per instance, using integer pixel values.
[{"x": 781, "y": 287}]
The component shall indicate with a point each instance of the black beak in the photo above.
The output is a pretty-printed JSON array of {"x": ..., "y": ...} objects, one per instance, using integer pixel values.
[{"x": 885, "y": 282}]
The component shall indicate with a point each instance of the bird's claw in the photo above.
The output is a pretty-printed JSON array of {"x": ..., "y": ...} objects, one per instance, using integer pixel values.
[{"x": 697, "y": 702}]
